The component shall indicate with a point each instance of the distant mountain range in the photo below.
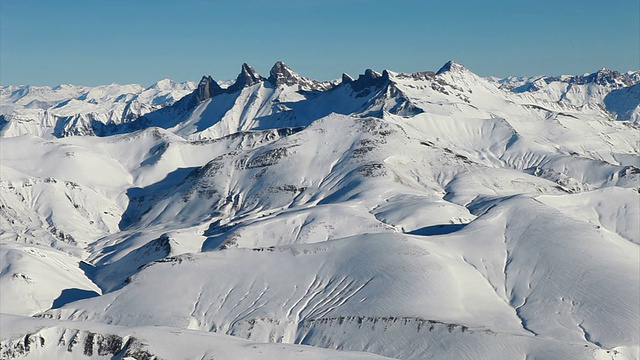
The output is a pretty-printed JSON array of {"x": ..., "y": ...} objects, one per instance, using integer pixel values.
[
  {"x": 437, "y": 214},
  {"x": 68, "y": 110}
]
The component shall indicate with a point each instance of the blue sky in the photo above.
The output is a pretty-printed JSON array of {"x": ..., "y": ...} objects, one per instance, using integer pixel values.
[{"x": 142, "y": 41}]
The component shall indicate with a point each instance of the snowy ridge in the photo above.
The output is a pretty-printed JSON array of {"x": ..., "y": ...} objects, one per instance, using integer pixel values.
[
  {"x": 426, "y": 215},
  {"x": 79, "y": 110},
  {"x": 605, "y": 88}
]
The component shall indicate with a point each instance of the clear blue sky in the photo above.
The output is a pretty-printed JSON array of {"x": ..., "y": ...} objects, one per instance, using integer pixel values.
[{"x": 83, "y": 42}]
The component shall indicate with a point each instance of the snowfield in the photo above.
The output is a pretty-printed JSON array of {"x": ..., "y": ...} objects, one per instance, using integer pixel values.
[{"x": 434, "y": 215}]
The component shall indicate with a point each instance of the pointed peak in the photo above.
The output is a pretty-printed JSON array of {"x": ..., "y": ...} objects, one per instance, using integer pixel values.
[
  {"x": 451, "y": 66},
  {"x": 281, "y": 74},
  {"x": 205, "y": 79},
  {"x": 246, "y": 68},
  {"x": 207, "y": 88},
  {"x": 346, "y": 78},
  {"x": 247, "y": 77},
  {"x": 280, "y": 66},
  {"x": 604, "y": 72}
]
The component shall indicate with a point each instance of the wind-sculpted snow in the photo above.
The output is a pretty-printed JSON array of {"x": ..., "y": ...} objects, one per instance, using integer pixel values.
[
  {"x": 538, "y": 278},
  {"x": 427, "y": 215},
  {"x": 36, "y": 278}
]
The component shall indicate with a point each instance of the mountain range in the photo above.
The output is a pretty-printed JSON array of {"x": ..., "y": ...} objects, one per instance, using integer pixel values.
[{"x": 436, "y": 214}]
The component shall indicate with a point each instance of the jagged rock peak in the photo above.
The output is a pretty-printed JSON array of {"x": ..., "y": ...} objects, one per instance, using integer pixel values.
[
  {"x": 205, "y": 79},
  {"x": 281, "y": 74},
  {"x": 604, "y": 77},
  {"x": 370, "y": 78},
  {"x": 451, "y": 66},
  {"x": 247, "y": 77},
  {"x": 371, "y": 74},
  {"x": 346, "y": 78},
  {"x": 207, "y": 88}
]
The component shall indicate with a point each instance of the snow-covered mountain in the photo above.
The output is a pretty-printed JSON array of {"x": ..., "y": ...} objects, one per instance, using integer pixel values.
[
  {"x": 615, "y": 92},
  {"x": 426, "y": 215},
  {"x": 79, "y": 110}
]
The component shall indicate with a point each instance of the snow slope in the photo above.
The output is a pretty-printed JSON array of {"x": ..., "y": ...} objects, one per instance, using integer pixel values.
[
  {"x": 427, "y": 215},
  {"x": 610, "y": 90},
  {"x": 36, "y": 278}
]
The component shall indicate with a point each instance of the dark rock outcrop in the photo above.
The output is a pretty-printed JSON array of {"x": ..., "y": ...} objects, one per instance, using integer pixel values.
[
  {"x": 281, "y": 74},
  {"x": 247, "y": 77},
  {"x": 604, "y": 77},
  {"x": 207, "y": 88},
  {"x": 346, "y": 78},
  {"x": 369, "y": 79}
]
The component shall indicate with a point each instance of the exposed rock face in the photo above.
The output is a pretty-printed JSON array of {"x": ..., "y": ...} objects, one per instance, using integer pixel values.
[
  {"x": 369, "y": 79},
  {"x": 80, "y": 342},
  {"x": 207, "y": 88},
  {"x": 604, "y": 77},
  {"x": 281, "y": 74},
  {"x": 346, "y": 78},
  {"x": 248, "y": 76}
]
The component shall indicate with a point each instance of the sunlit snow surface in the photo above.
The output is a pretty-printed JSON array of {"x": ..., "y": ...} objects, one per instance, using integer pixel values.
[{"x": 410, "y": 216}]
